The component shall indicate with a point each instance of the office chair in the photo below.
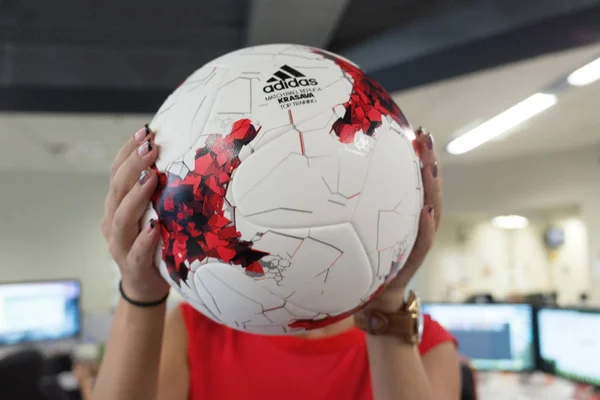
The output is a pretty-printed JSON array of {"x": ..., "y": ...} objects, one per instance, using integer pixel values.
[
  {"x": 468, "y": 382},
  {"x": 20, "y": 373}
]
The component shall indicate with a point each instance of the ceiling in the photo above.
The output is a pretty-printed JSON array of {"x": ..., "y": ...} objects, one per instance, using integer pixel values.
[
  {"x": 36, "y": 141},
  {"x": 77, "y": 79},
  {"x": 125, "y": 57},
  {"x": 448, "y": 107},
  {"x": 86, "y": 43}
]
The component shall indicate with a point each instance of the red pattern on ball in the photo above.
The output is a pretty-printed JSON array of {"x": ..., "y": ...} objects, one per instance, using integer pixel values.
[
  {"x": 369, "y": 102},
  {"x": 191, "y": 211}
]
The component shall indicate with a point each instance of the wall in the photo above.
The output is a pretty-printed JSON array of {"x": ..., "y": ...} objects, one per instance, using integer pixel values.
[
  {"x": 50, "y": 229},
  {"x": 531, "y": 183},
  {"x": 591, "y": 213},
  {"x": 526, "y": 183},
  {"x": 471, "y": 258}
]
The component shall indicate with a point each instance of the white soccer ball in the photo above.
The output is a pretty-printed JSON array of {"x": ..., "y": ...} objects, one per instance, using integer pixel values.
[{"x": 289, "y": 192}]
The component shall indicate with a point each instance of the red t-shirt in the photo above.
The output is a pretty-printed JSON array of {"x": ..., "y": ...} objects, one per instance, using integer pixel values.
[{"x": 226, "y": 364}]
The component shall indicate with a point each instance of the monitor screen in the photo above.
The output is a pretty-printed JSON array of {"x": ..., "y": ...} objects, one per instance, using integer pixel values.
[
  {"x": 39, "y": 311},
  {"x": 495, "y": 337},
  {"x": 569, "y": 344}
]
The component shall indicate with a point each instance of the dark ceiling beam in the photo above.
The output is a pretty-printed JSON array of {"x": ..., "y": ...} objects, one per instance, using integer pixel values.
[
  {"x": 308, "y": 22},
  {"x": 455, "y": 27},
  {"x": 69, "y": 66},
  {"x": 552, "y": 35}
]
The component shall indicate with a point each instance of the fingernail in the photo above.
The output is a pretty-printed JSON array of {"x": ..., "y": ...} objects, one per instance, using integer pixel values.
[
  {"x": 434, "y": 170},
  {"x": 143, "y": 177},
  {"x": 142, "y": 133},
  {"x": 430, "y": 210},
  {"x": 419, "y": 131},
  {"x": 416, "y": 147},
  {"x": 429, "y": 142},
  {"x": 145, "y": 148},
  {"x": 150, "y": 226}
]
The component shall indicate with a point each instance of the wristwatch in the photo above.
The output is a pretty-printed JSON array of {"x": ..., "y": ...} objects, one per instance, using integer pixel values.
[{"x": 405, "y": 324}]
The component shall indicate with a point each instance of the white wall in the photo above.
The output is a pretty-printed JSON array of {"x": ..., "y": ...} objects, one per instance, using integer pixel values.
[
  {"x": 570, "y": 268},
  {"x": 531, "y": 183},
  {"x": 475, "y": 258},
  {"x": 50, "y": 229}
]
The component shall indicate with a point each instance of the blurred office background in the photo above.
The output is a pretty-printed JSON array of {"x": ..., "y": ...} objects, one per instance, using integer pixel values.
[{"x": 77, "y": 78}]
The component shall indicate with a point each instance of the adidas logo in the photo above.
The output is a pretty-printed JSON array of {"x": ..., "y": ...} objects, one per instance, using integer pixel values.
[
  {"x": 286, "y": 72},
  {"x": 286, "y": 78}
]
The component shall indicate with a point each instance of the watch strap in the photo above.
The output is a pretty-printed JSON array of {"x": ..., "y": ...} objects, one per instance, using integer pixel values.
[{"x": 403, "y": 323}]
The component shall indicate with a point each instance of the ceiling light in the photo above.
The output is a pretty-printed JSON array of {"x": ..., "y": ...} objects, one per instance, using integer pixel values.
[
  {"x": 510, "y": 222},
  {"x": 585, "y": 75},
  {"x": 501, "y": 123}
]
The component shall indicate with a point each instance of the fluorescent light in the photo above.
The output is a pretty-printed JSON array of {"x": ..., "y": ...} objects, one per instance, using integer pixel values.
[
  {"x": 501, "y": 123},
  {"x": 510, "y": 222},
  {"x": 585, "y": 75}
]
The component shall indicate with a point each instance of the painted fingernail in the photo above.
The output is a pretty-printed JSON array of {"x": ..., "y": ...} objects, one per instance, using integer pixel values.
[
  {"x": 434, "y": 170},
  {"x": 416, "y": 147},
  {"x": 419, "y": 131},
  {"x": 142, "y": 133},
  {"x": 150, "y": 226},
  {"x": 429, "y": 142},
  {"x": 145, "y": 148},
  {"x": 430, "y": 210},
  {"x": 143, "y": 177}
]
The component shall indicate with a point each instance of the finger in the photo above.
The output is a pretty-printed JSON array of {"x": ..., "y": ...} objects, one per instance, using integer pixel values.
[
  {"x": 129, "y": 172},
  {"x": 425, "y": 235},
  {"x": 142, "y": 252},
  {"x": 432, "y": 188},
  {"x": 431, "y": 173},
  {"x": 426, "y": 147},
  {"x": 419, "y": 251},
  {"x": 136, "y": 140},
  {"x": 126, "y": 219}
]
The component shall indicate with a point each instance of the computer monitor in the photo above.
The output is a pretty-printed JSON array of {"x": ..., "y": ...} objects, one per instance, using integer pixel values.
[
  {"x": 39, "y": 311},
  {"x": 569, "y": 343},
  {"x": 495, "y": 337}
]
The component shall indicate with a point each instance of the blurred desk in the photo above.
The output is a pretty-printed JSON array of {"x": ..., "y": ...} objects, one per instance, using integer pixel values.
[{"x": 507, "y": 386}]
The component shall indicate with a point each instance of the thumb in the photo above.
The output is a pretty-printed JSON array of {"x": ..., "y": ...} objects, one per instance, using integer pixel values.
[{"x": 420, "y": 249}]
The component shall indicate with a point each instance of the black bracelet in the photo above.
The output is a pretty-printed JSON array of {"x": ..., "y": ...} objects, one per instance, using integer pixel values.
[{"x": 141, "y": 303}]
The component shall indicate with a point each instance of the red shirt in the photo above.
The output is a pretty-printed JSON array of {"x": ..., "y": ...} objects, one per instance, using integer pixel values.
[{"x": 226, "y": 364}]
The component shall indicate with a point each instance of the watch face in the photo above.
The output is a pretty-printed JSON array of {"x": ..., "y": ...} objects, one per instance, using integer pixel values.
[
  {"x": 414, "y": 306},
  {"x": 419, "y": 319}
]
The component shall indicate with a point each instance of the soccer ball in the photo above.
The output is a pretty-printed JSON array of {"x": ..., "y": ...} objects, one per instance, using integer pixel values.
[{"x": 289, "y": 190}]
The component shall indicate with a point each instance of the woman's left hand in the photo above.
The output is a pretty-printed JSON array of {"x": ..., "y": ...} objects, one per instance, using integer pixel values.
[{"x": 392, "y": 297}]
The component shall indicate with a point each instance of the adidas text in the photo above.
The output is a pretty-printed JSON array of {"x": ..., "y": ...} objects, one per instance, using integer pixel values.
[
  {"x": 290, "y": 83},
  {"x": 295, "y": 97}
]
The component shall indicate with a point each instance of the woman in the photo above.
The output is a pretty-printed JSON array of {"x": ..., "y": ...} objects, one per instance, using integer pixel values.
[{"x": 190, "y": 357}]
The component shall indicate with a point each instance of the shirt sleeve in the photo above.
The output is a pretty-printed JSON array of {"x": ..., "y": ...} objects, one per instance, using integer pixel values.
[{"x": 433, "y": 335}]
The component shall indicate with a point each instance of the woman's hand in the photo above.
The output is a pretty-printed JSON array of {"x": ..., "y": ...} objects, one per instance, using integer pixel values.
[
  {"x": 86, "y": 373},
  {"x": 131, "y": 186},
  {"x": 393, "y": 295}
]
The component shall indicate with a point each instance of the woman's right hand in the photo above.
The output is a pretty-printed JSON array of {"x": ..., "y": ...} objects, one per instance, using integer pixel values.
[{"x": 131, "y": 186}]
